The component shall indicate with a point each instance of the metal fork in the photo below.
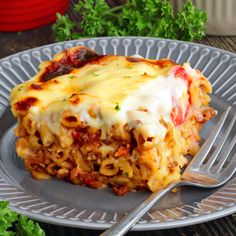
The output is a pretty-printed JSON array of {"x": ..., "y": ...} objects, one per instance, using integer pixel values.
[{"x": 205, "y": 170}]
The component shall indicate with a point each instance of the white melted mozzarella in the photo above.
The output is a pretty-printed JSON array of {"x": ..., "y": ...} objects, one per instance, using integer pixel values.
[
  {"x": 155, "y": 99},
  {"x": 143, "y": 92},
  {"x": 141, "y": 110}
]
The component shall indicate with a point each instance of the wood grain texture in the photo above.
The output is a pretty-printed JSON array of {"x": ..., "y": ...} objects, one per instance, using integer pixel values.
[
  {"x": 222, "y": 227},
  {"x": 15, "y": 42},
  {"x": 223, "y": 42}
]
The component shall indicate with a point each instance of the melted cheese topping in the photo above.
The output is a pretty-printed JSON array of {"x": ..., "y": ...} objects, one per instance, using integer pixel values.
[{"x": 118, "y": 91}]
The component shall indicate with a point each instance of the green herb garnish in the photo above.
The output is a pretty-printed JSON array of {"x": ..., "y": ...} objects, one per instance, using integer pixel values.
[
  {"x": 13, "y": 224},
  {"x": 63, "y": 28},
  {"x": 126, "y": 174},
  {"x": 117, "y": 106},
  {"x": 154, "y": 18},
  {"x": 20, "y": 88}
]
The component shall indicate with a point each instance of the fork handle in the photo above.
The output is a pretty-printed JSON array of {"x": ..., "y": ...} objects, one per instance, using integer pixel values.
[{"x": 122, "y": 226}]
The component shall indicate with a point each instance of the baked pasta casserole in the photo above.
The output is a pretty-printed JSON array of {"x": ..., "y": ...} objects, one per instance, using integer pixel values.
[{"x": 106, "y": 120}]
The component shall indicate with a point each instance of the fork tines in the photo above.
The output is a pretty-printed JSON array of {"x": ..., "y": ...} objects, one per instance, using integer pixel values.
[{"x": 217, "y": 149}]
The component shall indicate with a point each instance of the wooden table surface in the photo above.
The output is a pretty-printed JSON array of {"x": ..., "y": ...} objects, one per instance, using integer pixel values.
[{"x": 14, "y": 42}]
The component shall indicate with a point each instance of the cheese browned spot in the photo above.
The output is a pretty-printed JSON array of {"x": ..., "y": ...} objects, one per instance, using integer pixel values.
[
  {"x": 68, "y": 60},
  {"x": 161, "y": 63},
  {"x": 36, "y": 86},
  {"x": 25, "y": 104},
  {"x": 55, "y": 69}
]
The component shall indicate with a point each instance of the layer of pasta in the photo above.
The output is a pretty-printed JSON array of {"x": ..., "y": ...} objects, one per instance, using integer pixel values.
[{"x": 106, "y": 120}]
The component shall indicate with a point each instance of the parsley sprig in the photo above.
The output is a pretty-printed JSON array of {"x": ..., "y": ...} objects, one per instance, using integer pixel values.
[
  {"x": 153, "y": 18},
  {"x": 12, "y": 224},
  {"x": 117, "y": 106}
]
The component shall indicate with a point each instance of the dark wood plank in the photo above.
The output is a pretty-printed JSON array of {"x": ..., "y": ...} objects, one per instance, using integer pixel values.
[
  {"x": 223, "y": 42},
  {"x": 15, "y": 42},
  {"x": 221, "y": 227}
]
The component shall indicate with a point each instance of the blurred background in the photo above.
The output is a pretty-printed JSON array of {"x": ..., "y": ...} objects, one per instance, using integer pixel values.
[{"x": 20, "y": 15}]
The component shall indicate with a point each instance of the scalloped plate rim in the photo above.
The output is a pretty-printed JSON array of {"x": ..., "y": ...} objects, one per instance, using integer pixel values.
[{"x": 142, "y": 226}]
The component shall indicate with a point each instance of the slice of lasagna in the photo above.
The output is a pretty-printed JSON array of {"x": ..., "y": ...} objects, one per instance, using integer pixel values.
[{"x": 99, "y": 120}]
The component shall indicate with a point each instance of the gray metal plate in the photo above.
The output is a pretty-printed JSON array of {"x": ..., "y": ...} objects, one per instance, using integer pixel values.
[{"x": 63, "y": 203}]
